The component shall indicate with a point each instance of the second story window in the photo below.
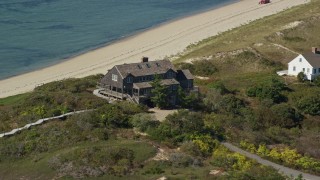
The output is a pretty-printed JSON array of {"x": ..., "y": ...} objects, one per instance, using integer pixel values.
[
  {"x": 170, "y": 74},
  {"x": 294, "y": 68},
  {"x": 129, "y": 79},
  {"x": 142, "y": 78},
  {"x": 114, "y": 77}
]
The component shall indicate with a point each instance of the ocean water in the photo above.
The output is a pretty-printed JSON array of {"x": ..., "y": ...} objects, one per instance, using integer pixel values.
[{"x": 39, "y": 33}]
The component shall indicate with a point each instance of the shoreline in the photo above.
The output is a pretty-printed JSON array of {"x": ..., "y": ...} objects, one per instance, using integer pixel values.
[
  {"x": 122, "y": 38},
  {"x": 159, "y": 41}
]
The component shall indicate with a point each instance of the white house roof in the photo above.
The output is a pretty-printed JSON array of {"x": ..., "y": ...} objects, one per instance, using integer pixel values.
[{"x": 312, "y": 58}]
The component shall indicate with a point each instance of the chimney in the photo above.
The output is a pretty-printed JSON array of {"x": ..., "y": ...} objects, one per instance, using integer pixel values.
[
  {"x": 315, "y": 50},
  {"x": 145, "y": 59}
]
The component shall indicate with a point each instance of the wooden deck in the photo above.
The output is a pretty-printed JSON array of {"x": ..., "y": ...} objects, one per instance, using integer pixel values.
[{"x": 114, "y": 94}]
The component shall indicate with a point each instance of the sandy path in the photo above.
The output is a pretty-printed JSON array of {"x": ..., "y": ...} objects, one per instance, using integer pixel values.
[{"x": 156, "y": 43}]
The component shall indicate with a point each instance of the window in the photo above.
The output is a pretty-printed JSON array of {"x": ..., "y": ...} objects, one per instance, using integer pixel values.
[
  {"x": 294, "y": 68},
  {"x": 308, "y": 70},
  {"x": 319, "y": 70},
  {"x": 174, "y": 87},
  {"x": 189, "y": 83},
  {"x": 142, "y": 78},
  {"x": 129, "y": 79},
  {"x": 170, "y": 74},
  {"x": 303, "y": 69},
  {"x": 314, "y": 71},
  {"x": 300, "y": 60},
  {"x": 114, "y": 77}
]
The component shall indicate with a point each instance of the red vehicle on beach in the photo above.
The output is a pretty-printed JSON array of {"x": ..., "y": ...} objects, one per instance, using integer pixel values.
[{"x": 264, "y": 1}]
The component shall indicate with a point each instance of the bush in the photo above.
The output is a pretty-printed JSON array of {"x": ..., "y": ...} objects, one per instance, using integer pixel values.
[
  {"x": 189, "y": 147},
  {"x": 183, "y": 160},
  {"x": 286, "y": 116},
  {"x": 309, "y": 104},
  {"x": 301, "y": 77},
  {"x": 204, "y": 68},
  {"x": 231, "y": 104},
  {"x": 220, "y": 87},
  {"x": 268, "y": 90},
  {"x": 143, "y": 121},
  {"x": 93, "y": 162}
]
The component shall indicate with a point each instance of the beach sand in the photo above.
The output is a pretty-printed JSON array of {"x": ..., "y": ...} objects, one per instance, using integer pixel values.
[{"x": 156, "y": 43}]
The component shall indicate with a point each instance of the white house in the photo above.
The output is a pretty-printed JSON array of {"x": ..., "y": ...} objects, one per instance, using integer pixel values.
[{"x": 309, "y": 63}]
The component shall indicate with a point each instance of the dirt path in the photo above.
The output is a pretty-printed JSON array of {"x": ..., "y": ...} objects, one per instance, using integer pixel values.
[
  {"x": 280, "y": 168},
  {"x": 161, "y": 114}
]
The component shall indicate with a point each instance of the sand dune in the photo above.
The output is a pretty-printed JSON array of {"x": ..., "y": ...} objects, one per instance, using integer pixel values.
[{"x": 156, "y": 43}]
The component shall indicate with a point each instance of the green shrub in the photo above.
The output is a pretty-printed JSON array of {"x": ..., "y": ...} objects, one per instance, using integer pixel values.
[
  {"x": 301, "y": 77},
  {"x": 317, "y": 81},
  {"x": 309, "y": 104},
  {"x": 220, "y": 87},
  {"x": 183, "y": 160},
  {"x": 285, "y": 116},
  {"x": 204, "y": 68},
  {"x": 143, "y": 121},
  {"x": 268, "y": 90}
]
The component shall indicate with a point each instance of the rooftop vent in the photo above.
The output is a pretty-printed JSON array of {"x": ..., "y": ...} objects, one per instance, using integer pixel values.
[
  {"x": 148, "y": 65},
  {"x": 145, "y": 59},
  {"x": 139, "y": 66}
]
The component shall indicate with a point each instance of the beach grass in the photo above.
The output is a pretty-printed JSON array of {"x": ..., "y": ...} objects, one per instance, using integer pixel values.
[
  {"x": 13, "y": 99},
  {"x": 261, "y": 34},
  {"x": 36, "y": 166},
  {"x": 273, "y": 41}
]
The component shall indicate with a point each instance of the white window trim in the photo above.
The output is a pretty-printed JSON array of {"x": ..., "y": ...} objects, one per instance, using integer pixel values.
[{"x": 114, "y": 77}]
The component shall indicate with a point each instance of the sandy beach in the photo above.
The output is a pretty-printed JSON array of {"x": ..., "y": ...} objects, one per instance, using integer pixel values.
[{"x": 156, "y": 43}]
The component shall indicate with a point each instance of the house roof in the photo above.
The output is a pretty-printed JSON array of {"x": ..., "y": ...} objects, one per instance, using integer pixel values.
[
  {"x": 312, "y": 58},
  {"x": 142, "y": 85},
  {"x": 168, "y": 82},
  {"x": 186, "y": 73},
  {"x": 165, "y": 82},
  {"x": 145, "y": 68}
]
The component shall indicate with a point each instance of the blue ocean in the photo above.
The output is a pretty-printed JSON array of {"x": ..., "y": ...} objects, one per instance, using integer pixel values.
[{"x": 39, "y": 33}]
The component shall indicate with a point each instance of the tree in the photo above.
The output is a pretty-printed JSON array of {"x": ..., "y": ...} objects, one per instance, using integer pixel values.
[
  {"x": 309, "y": 104},
  {"x": 285, "y": 115},
  {"x": 159, "y": 93},
  {"x": 186, "y": 101},
  {"x": 301, "y": 77}
]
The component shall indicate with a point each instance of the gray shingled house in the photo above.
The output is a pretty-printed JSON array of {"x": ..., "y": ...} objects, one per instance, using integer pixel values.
[{"x": 133, "y": 81}]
